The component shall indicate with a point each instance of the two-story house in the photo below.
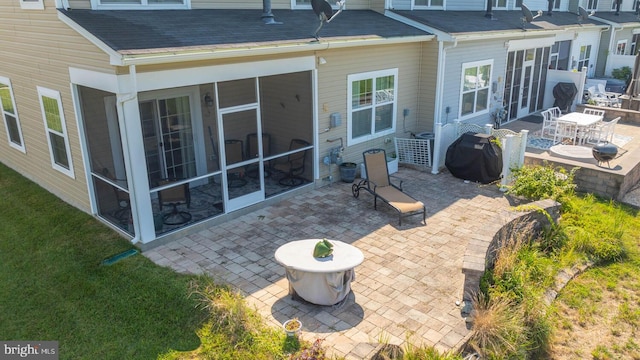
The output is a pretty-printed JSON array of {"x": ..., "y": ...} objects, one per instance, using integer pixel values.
[
  {"x": 498, "y": 58},
  {"x": 166, "y": 116},
  {"x": 161, "y": 117},
  {"x": 620, "y": 40}
]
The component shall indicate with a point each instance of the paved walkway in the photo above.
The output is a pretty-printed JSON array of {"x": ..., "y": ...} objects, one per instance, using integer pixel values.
[{"x": 405, "y": 290}]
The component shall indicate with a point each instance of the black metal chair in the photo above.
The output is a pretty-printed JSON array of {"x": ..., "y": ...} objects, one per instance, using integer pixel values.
[
  {"x": 174, "y": 196},
  {"x": 234, "y": 153},
  {"x": 252, "y": 153},
  {"x": 295, "y": 165}
]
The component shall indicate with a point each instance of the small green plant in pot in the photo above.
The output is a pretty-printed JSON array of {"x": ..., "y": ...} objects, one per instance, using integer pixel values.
[{"x": 292, "y": 326}]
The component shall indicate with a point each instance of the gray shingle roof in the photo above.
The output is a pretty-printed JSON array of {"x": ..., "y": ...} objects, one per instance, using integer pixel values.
[
  {"x": 627, "y": 18},
  {"x": 457, "y": 22},
  {"x": 146, "y": 31}
]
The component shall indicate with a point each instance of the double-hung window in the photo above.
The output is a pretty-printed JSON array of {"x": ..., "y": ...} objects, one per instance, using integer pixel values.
[
  {"x": 371, "y": 105},
  {"x": 621, "y": 46},
  {"x": 499, "y": 4},
  {"x": 475, "y": 87},
  {"x": 10, "y": 115},
  {"x": 591, "y": 4},
  {"x": 301, "y": 4},
  {"x": 584, "y": 57},
  {"x": 55, "y": 127},
  {"x": 306, "y": 4},
  {"x": 422, "y": 4}
]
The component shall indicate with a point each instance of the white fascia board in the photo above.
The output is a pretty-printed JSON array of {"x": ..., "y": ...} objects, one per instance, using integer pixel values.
[
  {"x": 148, "y": 81},
  {"x": 94, "y": 79},
  {"x": 113, "y": 55},
  {"x": 209, "y": 54},
  {"x": 509, "y": 35},
  {"x": 530, "y": 43}
]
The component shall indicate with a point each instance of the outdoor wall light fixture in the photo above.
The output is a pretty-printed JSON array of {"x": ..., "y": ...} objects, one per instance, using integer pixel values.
[
  {"x": 208, "y": 100},
  {"x": 322, "y": 60}
]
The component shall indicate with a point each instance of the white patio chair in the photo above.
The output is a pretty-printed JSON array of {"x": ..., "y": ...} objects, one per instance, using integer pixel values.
[
  {"x": 613, "y": 97},
  {"x": 548, "y": 125},
  {"x": 555, "y": 112},
  {"x": 603, "y": 131},
  {"x": 599, "y": 98},
  {"x": 565, "y": 130}
]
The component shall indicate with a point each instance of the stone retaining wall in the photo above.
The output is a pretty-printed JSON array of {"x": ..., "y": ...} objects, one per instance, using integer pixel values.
[{"x": 610, "y": 185}]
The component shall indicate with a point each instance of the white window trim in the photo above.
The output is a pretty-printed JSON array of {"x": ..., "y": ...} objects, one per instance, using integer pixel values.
[
  {"x": 144, "y": 5},
  {"x": 371, "y": 75},
  {"x": 56, "y": 95},
  {"x": 506, "y": 5},
  {"x": 621, "y": 42},
  {"x": 21, "y": 147},
  {"x": 428, "y": 7},
  {"x": 466, "y": 66},
  {"x": 295, "y": 6},
  {"x": 32, "y": 5}
]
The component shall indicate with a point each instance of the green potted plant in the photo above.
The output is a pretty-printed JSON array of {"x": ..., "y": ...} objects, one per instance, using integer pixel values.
[{"x": 292, "y": 326}]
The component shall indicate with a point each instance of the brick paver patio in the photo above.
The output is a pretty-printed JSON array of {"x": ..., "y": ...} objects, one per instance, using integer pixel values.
[{"x": 405, "y": 290}]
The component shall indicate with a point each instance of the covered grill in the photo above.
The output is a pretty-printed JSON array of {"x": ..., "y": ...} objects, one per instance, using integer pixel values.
[
  {"x": 564, "y": 93},
  {"x": 475, "y": 157},
  {"x": 604, "y": 151}
]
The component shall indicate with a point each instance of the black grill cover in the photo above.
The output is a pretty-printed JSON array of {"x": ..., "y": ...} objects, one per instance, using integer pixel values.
[
  {"x": 564, "y": 93},
  {"x": 475, "y": 157}
]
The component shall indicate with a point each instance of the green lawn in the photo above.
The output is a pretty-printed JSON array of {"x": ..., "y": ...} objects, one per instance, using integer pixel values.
[{"x": 53, "y": 286}]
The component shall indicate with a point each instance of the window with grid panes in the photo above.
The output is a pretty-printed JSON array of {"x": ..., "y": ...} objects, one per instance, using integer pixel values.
[
  {"x": 10, "y": 115},
  {"x": 55, "y": 127},
  {"x": 372, "y": 105},
  {"x": 475, "y": 87}
]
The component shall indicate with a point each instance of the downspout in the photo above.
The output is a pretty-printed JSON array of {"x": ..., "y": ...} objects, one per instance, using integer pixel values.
[
  {"x": 442, "y": 54},
  {"x": 612, "y": 46},
  {"x": 133, "y": 95}
]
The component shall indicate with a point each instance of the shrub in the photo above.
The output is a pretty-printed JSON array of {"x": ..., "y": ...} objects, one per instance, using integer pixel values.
[
  {"x": 543, "y": 182},
  {"x": 498, "y": 330},
  {"x": 233, "y": 330},
  {"x": 623, "y": 73}
]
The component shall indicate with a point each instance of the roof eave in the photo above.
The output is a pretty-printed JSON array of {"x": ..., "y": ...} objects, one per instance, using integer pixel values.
[
  {"x": 484, "y": 35},
  {"x": 163, "y": 57},
  {"x": 113, "y": 55}
]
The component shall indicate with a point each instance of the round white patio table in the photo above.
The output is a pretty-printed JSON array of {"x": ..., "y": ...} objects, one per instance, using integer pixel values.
[{"x": 321, "y": 281}]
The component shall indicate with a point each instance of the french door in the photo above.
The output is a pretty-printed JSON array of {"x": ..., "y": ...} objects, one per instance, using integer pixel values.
[
  {"x": 168, "y": 139},
  {"x": 524, "y": 81}
]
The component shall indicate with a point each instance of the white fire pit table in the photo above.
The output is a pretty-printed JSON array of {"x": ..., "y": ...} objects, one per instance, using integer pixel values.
[{"x": 321, "y": 281}]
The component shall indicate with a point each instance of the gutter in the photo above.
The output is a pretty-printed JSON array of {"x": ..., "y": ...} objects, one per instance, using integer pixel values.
[
  {"x": 181, "y": 55},
  {"x": 442, "y": 55},
  {"x": 277, "y": 49}
]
